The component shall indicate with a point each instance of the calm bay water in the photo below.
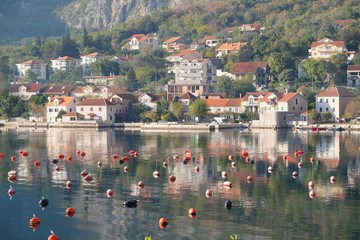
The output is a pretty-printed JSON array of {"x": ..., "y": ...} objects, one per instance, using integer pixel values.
[{"x": 273, "y": 206}]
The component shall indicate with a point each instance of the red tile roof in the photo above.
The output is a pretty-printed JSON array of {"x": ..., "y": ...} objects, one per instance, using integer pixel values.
[
  {"x": 247, "y": 67},
  {"x": 305, "y": 113},
  {"x": 335, "y": 43},
  {"x": 154, "y": 97},
  {"x": 191, "y": 60},
  {"x": 32, "y": 62},
  {"x": 187, "y": 96},
  {"x": 353, "y": 67},
  {"x": 348, "y": 21},
  {"x": 173, "y": 39},
  {"x": 137, "y": 36},
  {"x": 63, "y": 101},
  {"x": 33, "y": 87},
  {"x": 231, "y": 46},
  {"x": 66, "y": 58},
  {"x": 96, "y": 54},
  {"x": 278, "y": 95},
  {"x": 127, "y": 96},
  {"x": 208, "y": 38},
  {"x": 78, "y": 89},
  {"x": 256, "y": 94},
  {"x": 287, "y": 96},
  {"x": 72, "y": 114},
  {"x": 336, "y": 92},
  {"x": 183, "y": 53},
  {"x": 95, "y": 102},
  {"x": 57, "y": 89},
  {"x": 224, "y": 102},
  {"x": 230, "y": 29}
]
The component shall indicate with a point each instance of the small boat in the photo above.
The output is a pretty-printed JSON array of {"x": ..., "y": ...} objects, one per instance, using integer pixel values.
[
  {"x": 316, "y": 129},
  {"x": 340, "y": 129}
]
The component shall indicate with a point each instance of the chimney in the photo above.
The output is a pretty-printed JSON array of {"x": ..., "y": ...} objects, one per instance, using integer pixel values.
[
  {"x": 286, "y": 91},
  {"x": 240, "y": 95},
  {"x": 49, "y": 99}
]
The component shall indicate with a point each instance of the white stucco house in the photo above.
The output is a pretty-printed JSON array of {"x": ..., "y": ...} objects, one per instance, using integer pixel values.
[
  {"x": 37, "y": 67},
  {"x": 101, "y": 109},
  {"x": 58, "y": 103}
]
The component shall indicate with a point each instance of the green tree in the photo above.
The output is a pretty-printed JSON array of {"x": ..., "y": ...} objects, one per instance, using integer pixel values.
[
  {"x": 87, "y": 40},
  {"x": 162, "y": 107},
  {"x": 352, "y": 110},
  {"x": 315, "y": 70},
  {"x": 61, "y": 112},
  {"x": 199, "y": 108},
  {"x": 278, "y": 62},
  {"x": 152, "y": 115},
  {"x": 314, "y": 115},
  {"x": 287, "y": 75},
  {"x": 327, "y": 116},
  {"x": 131, "y": 83},
  {"x": 30, "y": 77},
  {"x": 68, "y": 47},
  {"x": 243, "y": 86},
  {"x": 224, "y": 84},
  {"x": 178, "y": 110}
]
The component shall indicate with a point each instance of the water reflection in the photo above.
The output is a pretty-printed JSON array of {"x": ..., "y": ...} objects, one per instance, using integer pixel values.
[{"x": 272, "y": 206}]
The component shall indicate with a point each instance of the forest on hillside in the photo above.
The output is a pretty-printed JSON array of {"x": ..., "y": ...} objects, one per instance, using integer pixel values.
[{"x": 290, "y": 28}]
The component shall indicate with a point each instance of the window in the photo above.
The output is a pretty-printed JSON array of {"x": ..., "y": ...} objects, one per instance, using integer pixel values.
[
  {"x": 50, "y": 109},
  {"x": 82, "y": 109},
  {"x": 296, "y": 101},
  {"x": 327, "y": 100},
  {"x": 197, "y": 87},
  {"x": 300, "y": 108},
  {"x": 320, "y": 109},
  {"x": 333, "y": 100},
  {"x": 91, "y": 109},
  {"x": 327, "y": 109},
  {"x": 293, "y": 108},
  {"x": 74, "y": 101},
  {"x": 282, "y": 108},
  {"x": 56, "y": 110},
  {"x": 70, "y": 110},
  {"x": 111, "y": 109},
  {"x": 100, "y": 109},
  {"x": 320, "y": 101},
  {"x": 333, "y": 109},
  {"x": 72, "y": 119}
]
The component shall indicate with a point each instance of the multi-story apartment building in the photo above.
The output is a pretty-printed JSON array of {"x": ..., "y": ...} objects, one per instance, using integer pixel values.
[
  {"x": 37, "y": 67},
  {"x": 65, "y": 64}
]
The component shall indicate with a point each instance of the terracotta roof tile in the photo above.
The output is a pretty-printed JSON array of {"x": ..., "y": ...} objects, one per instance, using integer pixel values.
[
  {"x": 95, "y": 102},
  {"x": 63, "y": 101},
  {"x": 32, "y": 62},
  {"x": 336, "y": 92},
  {"x": 187, "y": 96},
  {"x": 231, "y": 46},
  {"x": 287, "y": 96},
  {"x": 278, "y": 95},
  {"x": 66, "y": 58},
  {"x": 183, "y": 53},
  {"x": 230, "y": 29},
  {"x": 173, "y": 39},
  {"x": 256, "y": 94},
  {"x": 57, "y": 89},
  {"x": 247, "y": 67},
  {"x": 353, "y": 67},
  {"x": 33, "y": 87},
  {"x": 335, "y": 43},
  {"x": 137, "y": 36},
  {"x": 346, "y": 21},
  {"x": 224, "y": 102},
  {"x": 95, "y": 54}
]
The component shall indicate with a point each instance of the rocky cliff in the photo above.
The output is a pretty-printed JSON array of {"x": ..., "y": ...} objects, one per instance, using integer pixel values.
[{"x": 98, "y": 14}]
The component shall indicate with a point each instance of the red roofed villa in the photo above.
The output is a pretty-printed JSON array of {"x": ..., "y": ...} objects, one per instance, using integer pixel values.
[
  {"x": 258, "y": 70},
  {"x": 228, "y": 48},
  {"x": 25, "y": 91}
]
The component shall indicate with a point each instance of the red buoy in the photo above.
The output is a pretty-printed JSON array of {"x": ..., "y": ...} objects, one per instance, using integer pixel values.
[
  {"x": 192, "y": 212},
  {"x": 109, "y": 192},
  {"x": 99, "y": 164},
  {"x": 247, "y": 159},
  {"x": 296, "y": 154},
  {"x": 61, "y": 156},
  {"x": 78, "y": 152},
  {"x": 136, "y": 154},
  {"x": 34, "y": 222},
  {"x": 311, "y": 185},
  {"x": 197, "y": 169},
  {"x": 82, "y": 154},
  {"x": 295, "y": 174},
  {"x": 132, "y": 152},
  {"x": 11, "y": 192},
  {"x": 141, "y": 184},
  {"x": 57, "y": 168},
  {"x": 2, "y": 155},
  {"x": 285, "y": 157},
  {"x": 163, "y": 223},
  {"x": 88, "y": 178},
  {"x": 70, "y": 212},
  {"x": 165, "y": 164},
  {"x": 84, "y": 173},
  {"x": 21, "y": 152},
  {"x": 156, "y": 174},
  {"x": 312, "y": 159},
  {"x": 13, "y": 158},
  {"x": 69, "y": 158},
  {"x": 223, "y": 174},
  {"x": 115, "y": 156},
  {"x": 68, "y": 184},
  {"x": 12, "y": 178},
  {"x": 300, "y": 152},
  {"x": 126, "y": 169},
  {"x": 188, "y": 154},
  {"x": 249, "y": 178},
  {"x": 36, "y": 163},
  {"x": 126, "y": 158},
  {"x": 312, "y": 194},
  {"x": 227, "y": 185},
  {"x": 25, "y": 154},
  {"x": 53, "y": 236},
  {"x": 172, "y": 178},
  {"x": 245, "y": 154}
]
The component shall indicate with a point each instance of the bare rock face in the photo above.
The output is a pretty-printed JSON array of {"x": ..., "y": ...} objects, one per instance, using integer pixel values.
[{"x": 98, "y": 14}]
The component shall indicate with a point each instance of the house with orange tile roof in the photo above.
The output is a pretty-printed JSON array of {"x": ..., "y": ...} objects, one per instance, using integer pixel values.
[
  {"x": 192, "y": 75},
  {"x": 138, "y": 41},
  {"x": 170, "y": 43},
  {"x": 36, "y": 67},
  {"x": 353, "y": 75},
  {"x": 258, "y": 70},
  {"x": 151, "y": 100},
  {"x": 255, "y": 27},
  {"x": 226, "y": 107},
  {"x": 212, "y": 95},
  {"x": 58, "y": 103},
  {"x": 345, "y": 21},
  {"x": 228, "y": 48},
  {"x": 326, "y": 47},
  {"x": 100, "y": 109},
  {"x": 90, "y": 58},
  {"x": 250, "y": 102},
  {"x": 24, "y": 91},
  {"x": 186, "y": 99},
  {"x": 57, "y": 90},
  {"x": 334, "y": 100},
  {"x": 95, "y": 91},
  {"x": 65, "y": 64}
]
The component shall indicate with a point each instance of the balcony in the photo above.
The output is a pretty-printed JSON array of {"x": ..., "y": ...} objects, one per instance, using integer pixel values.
[{"x": 271, "y": 102}]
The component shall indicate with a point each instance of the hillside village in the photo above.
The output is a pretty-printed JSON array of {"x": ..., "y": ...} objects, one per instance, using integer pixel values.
[{"x": 191, "y": 77}]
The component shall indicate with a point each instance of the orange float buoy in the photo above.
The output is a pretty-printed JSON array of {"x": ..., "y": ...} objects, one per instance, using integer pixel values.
[
  {"x": 68, "y": 184},
  {"x": 70, "y": 212},
  {"x": 188, "y": 154},
  {"x": 156, "y": 174},
  {"x": 249, "y": 178},
  {"x": 69, "y": 158},
  {"x": 12, "y": 178},
  {"x": 163, "y": 223},
  {"x": 296, "y": 154},
  {"x": 53, "y": 236},
  {"x": 270, "y": 169},
  {"x": 13, "y": 158},
  {"x": 312, "y": 194},
  {"x": 197, "y": 169},
  {"x": 208, "y": 193},
  {"x": 78, "y": 152},
  {"x": 34, "y": 222},
  {"x": 172, "y": 178},
  {"x": 332, "y": 179},
  {"x": 247, "y": 159},
  {"x": 2, "y": 155},
  {"x": 115, "y": 156},
  {"x": 227, "y": 185},
  {"x": 109, "y": 193},
  {"x": 99, "y": 164},
  {"x": 285, "y": 157},
  {"x": 84, "y": 173},
  {"x": 312, "y": 159},
  {"x": 245, "y": 154},
  {"x": 126, "y": 169},
  {"x": 230, "y": 157},
  {"x": 311, "y": 185},
  {"x": 25, "y": 154},
  {"x": 57, "y": 169},
  {"x": 300, "y": 152},
  {"x": 61, "y": 156},
  {"x": 88, "y": 178},
  {"x": 11, "y": 192},
  {"x": 192, "y": 212},
  {"x": 12, "y": 173},
  {"x": 126, "y": 158},
  {"x": 141, "y": 184},
  {"x": 132, "y": 152},
  {"x": 165, "y": 164},
  {"x": 233, "y": 164},
  {"x": 21, "y": 152},
  {"x": 300, "y": 164},
  {"x": 223, "y": 174},
  {"x": 37, "y": 163}
]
